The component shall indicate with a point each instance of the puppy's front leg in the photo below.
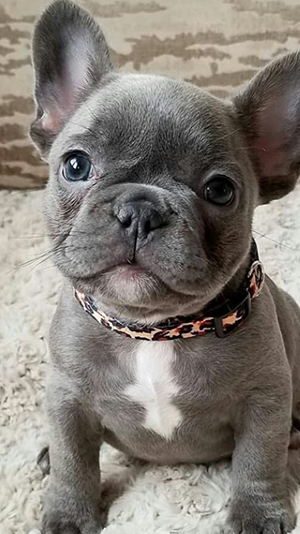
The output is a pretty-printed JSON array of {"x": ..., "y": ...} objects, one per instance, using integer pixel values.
[
  {"x": 261, "y": 494},
  {"x": 72, "y": 503}
]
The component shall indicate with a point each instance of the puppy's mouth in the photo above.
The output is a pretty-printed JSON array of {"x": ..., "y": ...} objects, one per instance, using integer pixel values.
[
  {"x": 130, "y": 271},
  {"x": 132, "y": 283},
  {"x": 118, "y": 282},
  {"x": 133, "y": 292},
  {"x": 122, "y": 272},
  {"x": 125, "y": 281}
]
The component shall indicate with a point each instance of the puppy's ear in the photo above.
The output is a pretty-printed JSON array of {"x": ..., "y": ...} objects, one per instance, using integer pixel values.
[
  {"x": 70, "y": 56},
  {"x": 269, "y": 111}
]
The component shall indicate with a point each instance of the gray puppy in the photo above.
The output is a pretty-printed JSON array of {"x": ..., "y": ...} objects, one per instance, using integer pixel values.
[{"x": 152, "y": 189}]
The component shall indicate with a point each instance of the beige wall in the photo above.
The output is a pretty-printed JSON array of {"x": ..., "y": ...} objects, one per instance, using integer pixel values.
[{"x": 217, "y": 44}]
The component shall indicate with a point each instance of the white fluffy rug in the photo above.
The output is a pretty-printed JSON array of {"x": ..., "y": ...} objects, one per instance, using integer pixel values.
[{"x": 162, "y": 500}]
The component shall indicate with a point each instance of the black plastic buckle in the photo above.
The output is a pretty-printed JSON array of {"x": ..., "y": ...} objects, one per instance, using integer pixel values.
[{"x": 245, "y": 303}]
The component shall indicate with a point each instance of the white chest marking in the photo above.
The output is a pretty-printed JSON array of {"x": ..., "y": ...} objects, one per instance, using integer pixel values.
[{"x": 155, "y": 387}]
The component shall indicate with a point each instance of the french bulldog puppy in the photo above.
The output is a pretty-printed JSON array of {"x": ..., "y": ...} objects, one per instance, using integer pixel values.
[{"x": 149, "y": 205}]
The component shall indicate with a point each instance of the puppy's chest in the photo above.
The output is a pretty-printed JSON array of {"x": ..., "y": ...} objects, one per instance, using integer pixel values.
[{"x": 155, "y": 387}]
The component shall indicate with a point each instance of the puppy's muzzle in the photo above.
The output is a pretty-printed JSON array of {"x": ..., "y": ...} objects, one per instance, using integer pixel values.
[{"x": 138, "y": 218}]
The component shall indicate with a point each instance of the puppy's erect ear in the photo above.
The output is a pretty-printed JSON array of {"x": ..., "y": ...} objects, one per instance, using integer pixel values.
[
  {"x": 70, "y": 56},
  {"x": 269, "y": 110}
]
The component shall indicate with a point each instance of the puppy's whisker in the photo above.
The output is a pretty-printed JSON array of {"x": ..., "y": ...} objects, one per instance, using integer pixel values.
[
  {"x": 28, "y": 263},
  {"x": 231, "y": 133},
  {"x": 91, "y": 112},
  {"x": 40, "y": 263},
  {"x": 247, "y": 147},
  {"x": 36, "y": 236},
  {"x": 275, "y": 241},
  {"x": 84, "y": 127},
  {"x": 43, "y": 256}
]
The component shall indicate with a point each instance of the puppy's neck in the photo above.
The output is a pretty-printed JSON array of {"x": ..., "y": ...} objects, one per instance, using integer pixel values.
[{"x": 235, "y": 283}]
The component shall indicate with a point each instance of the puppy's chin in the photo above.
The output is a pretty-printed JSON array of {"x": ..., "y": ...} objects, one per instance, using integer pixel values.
[
  {"x": 130, "y": 292},
  {"x": 132, "y": 286}
]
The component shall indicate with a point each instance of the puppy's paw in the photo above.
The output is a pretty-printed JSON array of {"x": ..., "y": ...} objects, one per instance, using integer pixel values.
[
  {"x": 261, "y": 517},
  {"x": 69, "y": 514}
]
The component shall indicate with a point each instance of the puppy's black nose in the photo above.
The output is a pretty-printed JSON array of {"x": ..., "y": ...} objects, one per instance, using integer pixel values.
[{"x": 139, "y": 218}]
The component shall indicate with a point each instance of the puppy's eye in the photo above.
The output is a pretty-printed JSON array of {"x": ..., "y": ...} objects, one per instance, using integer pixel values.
[
  {"x": 219, "y": 190},
  {"x": 77, "y": 167}
]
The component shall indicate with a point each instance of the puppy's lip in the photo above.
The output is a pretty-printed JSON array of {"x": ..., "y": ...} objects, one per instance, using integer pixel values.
[{"x": 127, "y": 271}]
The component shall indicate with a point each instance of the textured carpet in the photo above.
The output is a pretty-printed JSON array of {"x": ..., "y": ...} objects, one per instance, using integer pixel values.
[{"x": 146, "y": 499}]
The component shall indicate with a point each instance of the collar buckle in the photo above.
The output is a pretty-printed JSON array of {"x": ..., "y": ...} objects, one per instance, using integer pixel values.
[{"x": 244, "y": 309}]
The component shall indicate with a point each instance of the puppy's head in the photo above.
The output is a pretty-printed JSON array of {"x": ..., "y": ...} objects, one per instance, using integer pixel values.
[{"x": 153, "y": 182}]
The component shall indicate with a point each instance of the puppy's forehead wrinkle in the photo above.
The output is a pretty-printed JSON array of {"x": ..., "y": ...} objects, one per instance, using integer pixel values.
[{"x": 137, "y": 114}]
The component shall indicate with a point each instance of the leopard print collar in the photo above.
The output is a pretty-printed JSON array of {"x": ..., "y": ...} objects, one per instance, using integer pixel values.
[{"x": 222, "y": 323}]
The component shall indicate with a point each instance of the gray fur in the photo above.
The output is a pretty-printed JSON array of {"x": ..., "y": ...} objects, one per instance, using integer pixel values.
[{"x": 153, "y": 143}]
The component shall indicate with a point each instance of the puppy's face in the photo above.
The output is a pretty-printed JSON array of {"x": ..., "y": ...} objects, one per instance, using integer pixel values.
[
  {"x": 150, "y": 196},
  {"x": 153, "y": 183}
]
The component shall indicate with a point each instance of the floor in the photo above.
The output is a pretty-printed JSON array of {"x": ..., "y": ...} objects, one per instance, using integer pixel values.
[{"x": 148, "y": 499}]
